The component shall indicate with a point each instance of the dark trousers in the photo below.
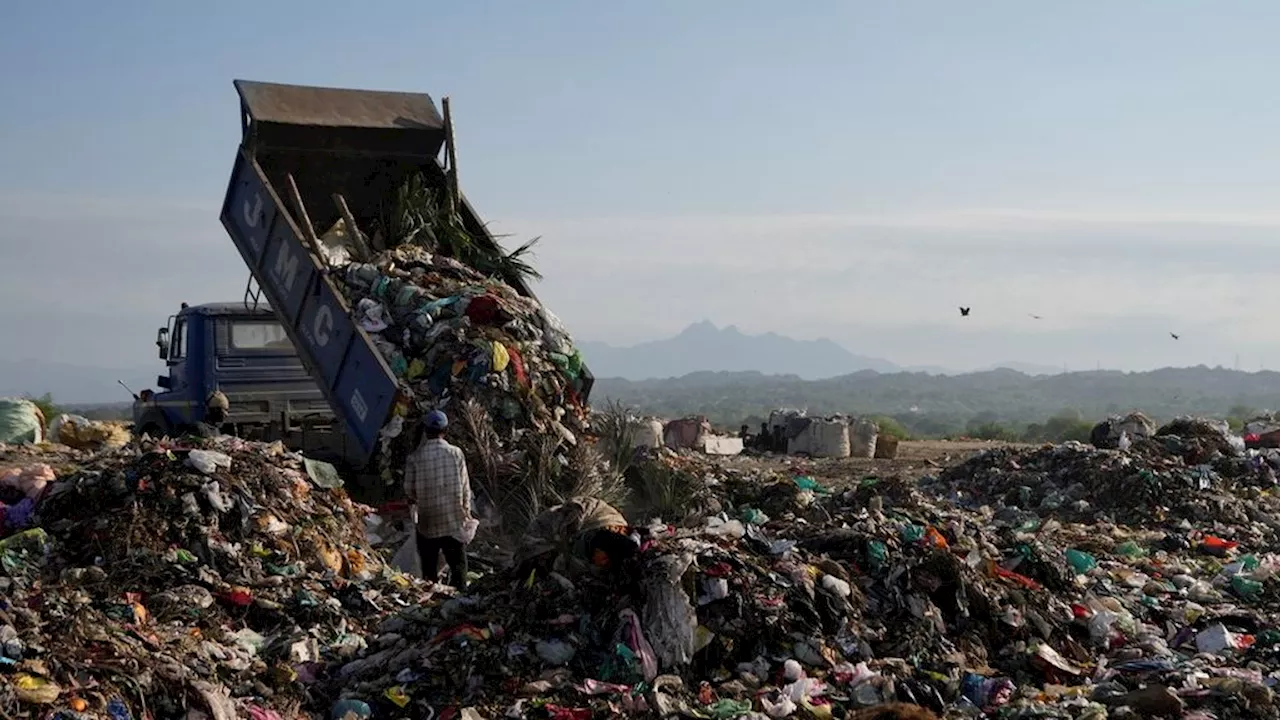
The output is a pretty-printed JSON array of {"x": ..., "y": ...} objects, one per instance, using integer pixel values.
[{"x": 455, "y": 553}]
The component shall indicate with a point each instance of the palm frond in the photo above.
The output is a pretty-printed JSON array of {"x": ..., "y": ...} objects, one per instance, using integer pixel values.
[
  {"x": 514, "y": 265},
  {"x": 420, "y": 215}
]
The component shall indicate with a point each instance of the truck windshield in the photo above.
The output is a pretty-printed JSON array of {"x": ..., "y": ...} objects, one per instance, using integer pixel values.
[{"x": 259, "y": 335}]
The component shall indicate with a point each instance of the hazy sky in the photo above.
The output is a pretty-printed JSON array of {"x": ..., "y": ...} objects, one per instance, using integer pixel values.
[{"x": 846, "y": 169}]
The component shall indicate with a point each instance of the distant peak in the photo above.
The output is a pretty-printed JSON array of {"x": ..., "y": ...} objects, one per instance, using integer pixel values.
[{"x": 705, "y": 327}]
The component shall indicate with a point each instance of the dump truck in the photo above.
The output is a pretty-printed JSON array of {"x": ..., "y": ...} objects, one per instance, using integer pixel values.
[{"x": 359, "y": 144}]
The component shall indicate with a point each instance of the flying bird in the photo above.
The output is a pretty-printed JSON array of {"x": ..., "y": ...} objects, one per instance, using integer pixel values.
[
  {"x": 1175, "y": 336},
  {"x": 964, "y": 312},
  {"x": 1035, "y": 316}
]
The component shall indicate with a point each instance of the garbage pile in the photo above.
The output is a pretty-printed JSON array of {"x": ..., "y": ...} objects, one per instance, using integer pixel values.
[
  {"x": 222, "y": 578},
  {"x": 225, "y": 578},
  {"x": 718, "y": 620},
  {"x": 1196, "y": 476},
  {"x": 1121, "y": 430},
  {"x": 1262, "y": 432},
  {"x": 795, "y": 599},
  {"x": 451, "y": 332}
]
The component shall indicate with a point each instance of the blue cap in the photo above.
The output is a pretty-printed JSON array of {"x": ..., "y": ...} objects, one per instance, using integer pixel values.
[{"x": 437, "y": 420}]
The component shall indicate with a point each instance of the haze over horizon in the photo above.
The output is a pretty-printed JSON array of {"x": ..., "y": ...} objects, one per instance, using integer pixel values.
[{"x": 838, "y": 170}]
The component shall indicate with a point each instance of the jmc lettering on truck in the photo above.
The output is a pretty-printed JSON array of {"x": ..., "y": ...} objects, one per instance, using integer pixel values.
[{"x": 346, "y": 366}]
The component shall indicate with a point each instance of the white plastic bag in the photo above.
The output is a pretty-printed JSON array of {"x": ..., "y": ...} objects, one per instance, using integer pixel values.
[
  {"x": 208, "y": 461},
  {"x": 670, "y": 621},
  {"x": 468, "y": 531},
  {"x": 407, "y": 560}
]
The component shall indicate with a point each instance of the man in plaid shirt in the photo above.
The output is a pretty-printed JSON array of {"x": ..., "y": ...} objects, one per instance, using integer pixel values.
[{"x": 435, "y": 478}]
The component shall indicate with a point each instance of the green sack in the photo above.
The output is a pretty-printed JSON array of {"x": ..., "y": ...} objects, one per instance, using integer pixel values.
[{"x": 20, "y": 422}]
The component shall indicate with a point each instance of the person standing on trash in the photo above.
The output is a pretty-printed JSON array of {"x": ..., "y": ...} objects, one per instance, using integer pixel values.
[
  {"x": 216, "y": 408},
  {"x": 435, "y": 479}
]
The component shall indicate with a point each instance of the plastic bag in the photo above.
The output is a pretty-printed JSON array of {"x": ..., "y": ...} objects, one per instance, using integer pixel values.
[
  {"x": 555, "y": 652},
  {"x": 208, "y": 461},
  {"x": 1081, "y": 561},
  {"x": 30, "y": 480},
  {"x": 501, "y": 358},
  {"x": 407, "y": 560},
  {"x": 632, "y": 635},
  {"x": 369, "y": 314},
  {"x": 719, "y": 527},
  {"x": 35, "y": 690},
  {"x": 669, "y": 617},
  {"x": 784, "y": 707},
  {"x": 468, "y": 531}
]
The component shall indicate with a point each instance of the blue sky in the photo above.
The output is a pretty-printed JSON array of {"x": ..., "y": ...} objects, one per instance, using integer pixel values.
[{"x": 844, "y": 169}]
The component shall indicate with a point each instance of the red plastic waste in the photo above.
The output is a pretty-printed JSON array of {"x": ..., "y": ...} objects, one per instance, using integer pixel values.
[{"x": 1215, "y": 545}]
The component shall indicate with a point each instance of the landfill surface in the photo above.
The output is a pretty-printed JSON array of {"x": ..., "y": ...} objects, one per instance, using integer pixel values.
[{"x": 226, "y": 579}]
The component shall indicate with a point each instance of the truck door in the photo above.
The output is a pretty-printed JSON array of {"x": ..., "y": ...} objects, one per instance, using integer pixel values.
[
  {"x": 171, "y": 408},
  {"x": 178, "y": 356}
]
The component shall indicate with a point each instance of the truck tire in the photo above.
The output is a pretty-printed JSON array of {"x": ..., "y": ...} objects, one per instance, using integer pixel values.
[{"x": 153, "y": 424}]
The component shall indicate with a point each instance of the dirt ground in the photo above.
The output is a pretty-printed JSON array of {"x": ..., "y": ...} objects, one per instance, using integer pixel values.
[{"x": 916, "y": 458}]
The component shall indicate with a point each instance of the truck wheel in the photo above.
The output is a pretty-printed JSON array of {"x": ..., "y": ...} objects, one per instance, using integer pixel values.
[{"x": 154, "y": 426}]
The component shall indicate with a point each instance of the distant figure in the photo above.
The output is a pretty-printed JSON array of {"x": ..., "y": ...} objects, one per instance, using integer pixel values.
[
  {"x": 964, "y": 312},
  {"x": 216, "y": 409},
  {"x": 1175, "y": 336},
  {"x": 435, "y": 478}
]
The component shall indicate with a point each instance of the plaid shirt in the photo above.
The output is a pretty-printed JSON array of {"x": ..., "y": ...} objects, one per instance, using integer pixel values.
[{"x": 435, "y": 478}]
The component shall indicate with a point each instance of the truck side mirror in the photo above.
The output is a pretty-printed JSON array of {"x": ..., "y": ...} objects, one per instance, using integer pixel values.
[{"x": 162, "y": 342}]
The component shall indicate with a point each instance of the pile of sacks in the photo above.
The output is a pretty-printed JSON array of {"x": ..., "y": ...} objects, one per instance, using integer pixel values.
[
  {"x": 221, "y": 578},
  {"x": 21, "y": 421},
  {"x": 81, "y": 433},
  {"x": 449, "y": 332}
]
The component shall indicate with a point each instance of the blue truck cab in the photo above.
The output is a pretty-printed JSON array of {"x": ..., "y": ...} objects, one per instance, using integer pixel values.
[
  {"x": 244, "y": 352},
  {"x": 324, "y": 142}
]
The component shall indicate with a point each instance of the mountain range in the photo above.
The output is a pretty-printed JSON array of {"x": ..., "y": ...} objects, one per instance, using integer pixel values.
[
  {"x": 703, "y": 347},
  {"x": 938, "y": 404}
]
